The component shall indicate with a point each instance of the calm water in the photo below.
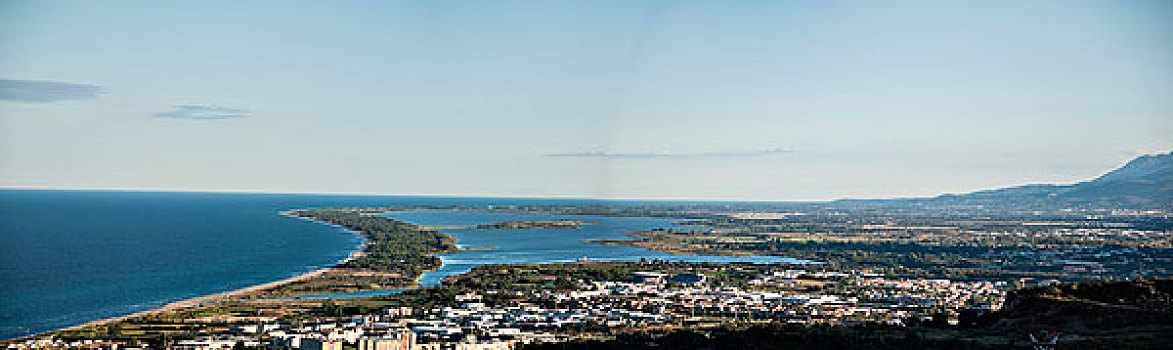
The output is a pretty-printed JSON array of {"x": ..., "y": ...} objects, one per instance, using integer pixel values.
[
  {"x": 69, "y": 257},
  {"x": 534, "y": 246}
]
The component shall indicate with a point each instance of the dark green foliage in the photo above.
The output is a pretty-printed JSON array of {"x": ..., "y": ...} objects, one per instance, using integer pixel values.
[
  {"x": 331, "y": 309},
  {"x": 546, "y": 276},
  {"x": 776, "y": 337},
  {"x": 1153, "y": 295},
  {"x": 1093, "y": 306},
  {"x": 384, "y": 235},
  {"x": 392, "y": 246},
  {"x": 402, "y": 263}
]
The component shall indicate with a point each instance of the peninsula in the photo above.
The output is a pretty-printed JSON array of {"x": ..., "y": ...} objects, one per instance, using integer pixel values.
[
  {"x": 905, "y": 279},
  {"x": 394, "y": 255}
]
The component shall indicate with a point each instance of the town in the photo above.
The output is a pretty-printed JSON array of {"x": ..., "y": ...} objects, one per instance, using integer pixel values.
[
  {"x": 537, "y": 304},
  {"x": 928, "y": 282}
]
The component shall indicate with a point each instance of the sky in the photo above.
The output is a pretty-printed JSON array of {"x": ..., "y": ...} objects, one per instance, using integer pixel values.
[{"x": 710, "y": 100}]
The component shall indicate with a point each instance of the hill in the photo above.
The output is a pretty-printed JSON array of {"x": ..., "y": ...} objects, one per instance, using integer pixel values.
[
  {"x": 1137, "y": 313},
  {"x": 1145, "y": 182}
]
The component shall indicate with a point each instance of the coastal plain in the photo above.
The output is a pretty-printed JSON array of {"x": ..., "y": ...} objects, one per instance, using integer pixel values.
[{"x": 945, "y": 277}]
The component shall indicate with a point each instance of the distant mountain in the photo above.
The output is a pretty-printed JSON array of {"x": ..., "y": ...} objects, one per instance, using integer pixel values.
[{"x": 1143, "y": 183}]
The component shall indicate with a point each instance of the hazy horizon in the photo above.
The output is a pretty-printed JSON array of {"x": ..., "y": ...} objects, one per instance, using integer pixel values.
[
  {"x": 230, "y": 191},
  {"x": 743, "y": 100}
]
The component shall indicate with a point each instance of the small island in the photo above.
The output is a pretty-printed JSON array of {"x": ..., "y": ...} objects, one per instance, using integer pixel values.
[{"x": 518, "y": 225}]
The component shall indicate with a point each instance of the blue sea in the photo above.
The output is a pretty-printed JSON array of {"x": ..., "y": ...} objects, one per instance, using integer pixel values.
[{"x": 69, "y": 257}]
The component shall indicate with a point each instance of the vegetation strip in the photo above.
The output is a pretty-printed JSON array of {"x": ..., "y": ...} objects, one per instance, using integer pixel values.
[{"x": 395, "y": 254}]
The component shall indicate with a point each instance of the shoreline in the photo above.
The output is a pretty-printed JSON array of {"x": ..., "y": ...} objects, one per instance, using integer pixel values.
[
  {"x": 235, "y": 294},
  {"x": 196, "y": 301},
  {"x": 246, "y": 292},
  {"x": 250, "y": 292}
]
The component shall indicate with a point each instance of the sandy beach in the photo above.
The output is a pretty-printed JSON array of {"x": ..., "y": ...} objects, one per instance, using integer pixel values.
[
  {"x": 241, "y": 293},
  {"x": 246, "y": 292}
]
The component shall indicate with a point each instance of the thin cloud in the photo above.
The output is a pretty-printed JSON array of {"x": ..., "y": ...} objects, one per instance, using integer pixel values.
[
  {"x": 645, "y": 155},
  {"x": 38, "y": 91},
  {"x": 201, "y": 112}
]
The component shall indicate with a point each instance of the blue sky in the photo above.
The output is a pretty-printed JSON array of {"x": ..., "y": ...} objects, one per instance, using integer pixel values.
[{"x": 755, "y": 100}]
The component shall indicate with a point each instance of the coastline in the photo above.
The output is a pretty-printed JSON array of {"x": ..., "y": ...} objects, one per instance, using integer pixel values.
[
  {"x": 249, "y": 292},
  {"x": 264, "y": 292},
  {"x": 236, "y": 294},
  {"x": 197, "y": 301},
  {"x": 256, "y": 292}
]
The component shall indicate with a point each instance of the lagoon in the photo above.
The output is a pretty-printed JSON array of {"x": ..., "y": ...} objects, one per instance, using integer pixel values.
[
  {"x": 70, "y": 257},
  {"x": 540, "y": 246},
  {"x": 535, "y": 246}
]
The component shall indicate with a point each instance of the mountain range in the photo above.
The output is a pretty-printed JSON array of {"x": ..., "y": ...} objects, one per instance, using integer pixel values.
[{"x": 1145, "y": 182}]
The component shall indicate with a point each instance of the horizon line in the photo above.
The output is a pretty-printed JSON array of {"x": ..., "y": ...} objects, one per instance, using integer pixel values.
[{"x": 555, "y": 197}]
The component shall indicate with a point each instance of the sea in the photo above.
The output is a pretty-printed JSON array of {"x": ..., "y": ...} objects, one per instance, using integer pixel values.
[{"x": 70, "y": 257}]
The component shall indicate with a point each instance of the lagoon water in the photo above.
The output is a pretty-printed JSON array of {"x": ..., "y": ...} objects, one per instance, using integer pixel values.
[
  {"x": 537, "y": 246},
  {"x": 69, "y": 257},
  {"x": 531, "y": 246}
]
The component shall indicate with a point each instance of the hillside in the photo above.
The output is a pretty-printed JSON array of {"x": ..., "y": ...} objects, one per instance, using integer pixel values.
[
  {"x": 1136, "y": 313},
  {"x": 1145, "y": 182}
]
